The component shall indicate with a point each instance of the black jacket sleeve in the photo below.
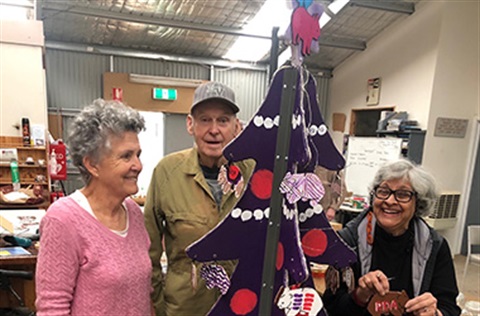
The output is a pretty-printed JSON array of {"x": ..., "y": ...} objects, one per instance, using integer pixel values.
[
  {"x": 443, "y": 284},
  {"x": 341, "y": 303}
]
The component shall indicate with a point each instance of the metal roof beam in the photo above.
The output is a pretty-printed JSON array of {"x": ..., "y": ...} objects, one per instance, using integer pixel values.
[
  {"x": 323, "y": 41},
  {"x": 392, "y": 6},
  {"x": 342, "y": 43},
  {"x": 18, "y": 3},
  {"x": 105, "y": 50},
  {"x": 152, "y": 21}
]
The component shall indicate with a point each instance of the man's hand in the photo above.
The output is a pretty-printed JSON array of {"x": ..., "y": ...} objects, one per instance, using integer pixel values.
[{"x": 330, "y": 214}]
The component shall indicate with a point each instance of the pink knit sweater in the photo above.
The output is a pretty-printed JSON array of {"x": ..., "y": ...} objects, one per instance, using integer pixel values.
[{"x": 84, "y": 268}]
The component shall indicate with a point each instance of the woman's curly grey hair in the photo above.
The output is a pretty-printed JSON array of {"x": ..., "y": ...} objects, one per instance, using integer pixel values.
[
  {"x": 89, "y": 132},
  {"x": 422, "y": 183}
]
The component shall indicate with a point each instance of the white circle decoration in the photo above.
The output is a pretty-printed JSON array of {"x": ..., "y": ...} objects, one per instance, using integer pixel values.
[
  {"x": 236, "y": 213},
  {"x": 322, "y": 129},
  {"x": 317, "y": 209},
  {"x": 302, "y": 217},
  {"x": 268, "y": 123},
  {"x": 309, "y": 212},
  {"x": 258, "y": 214},
  {"x": 246, "y": 215},
  {"x": 276, "y": 120},
  {"x": 258, "y": 121}
]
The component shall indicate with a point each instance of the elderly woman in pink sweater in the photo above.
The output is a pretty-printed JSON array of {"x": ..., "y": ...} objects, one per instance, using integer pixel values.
[{"x": 93, "y": 257}]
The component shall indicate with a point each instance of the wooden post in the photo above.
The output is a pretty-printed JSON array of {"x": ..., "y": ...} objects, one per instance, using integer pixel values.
[{"x": 279, "y": 171}]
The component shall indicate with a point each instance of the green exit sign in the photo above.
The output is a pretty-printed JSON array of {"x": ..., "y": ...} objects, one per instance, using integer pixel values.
[{"x": 164, "y": 94}]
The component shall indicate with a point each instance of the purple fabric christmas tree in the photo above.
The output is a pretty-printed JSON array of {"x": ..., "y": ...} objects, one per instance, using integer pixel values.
[{"x": 242, "y": 234}]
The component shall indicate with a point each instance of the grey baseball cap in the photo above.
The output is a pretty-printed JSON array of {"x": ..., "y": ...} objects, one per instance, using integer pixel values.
[{"x": 214, "y": 91}]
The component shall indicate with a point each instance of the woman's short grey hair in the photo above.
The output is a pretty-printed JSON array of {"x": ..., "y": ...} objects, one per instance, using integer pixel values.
[
  {"x": 90, "y": 130},
  {"x": 422, "y": 183}
]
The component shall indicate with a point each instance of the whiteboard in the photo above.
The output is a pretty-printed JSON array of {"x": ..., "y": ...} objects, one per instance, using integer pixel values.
[{"x": 364, "y": 156}]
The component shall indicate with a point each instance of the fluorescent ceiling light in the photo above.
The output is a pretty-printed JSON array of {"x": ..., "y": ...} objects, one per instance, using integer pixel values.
[
  {"x": 284, "y": 56},
  {"x": 324, "y": 19},
  {"x": 337, "y": 5},
  {"x": 273, "y": 13},
  {"x": 164, "y": 81},
  {"x": 15, "y": 10}
]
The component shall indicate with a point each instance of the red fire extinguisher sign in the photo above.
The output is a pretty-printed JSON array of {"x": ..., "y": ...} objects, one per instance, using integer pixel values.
[
  {"x": 117, "y": 94},
  {"x": 57, "y": 163}
]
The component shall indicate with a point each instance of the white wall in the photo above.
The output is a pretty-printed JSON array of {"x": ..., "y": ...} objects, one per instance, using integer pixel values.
[
  {"x": 455, "y": 95},
  {"x": 22, "y": 77},
  {"x": 404, "y": 57},
  {"x": 428, "y": 63}
]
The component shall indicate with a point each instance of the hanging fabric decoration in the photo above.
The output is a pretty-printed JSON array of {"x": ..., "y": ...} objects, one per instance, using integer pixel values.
[
  {"x": 230, "y": 179},
  {"x": 194, "y": 277},
  {"x": 304, "y": 186},
  {"x": 299, "y": 301},
  {"x": 304, "y": 29},
  {"x": 349, "y": 278},
  {"x": 332, "y": 279},
  {"x": 215, "y": 276}
]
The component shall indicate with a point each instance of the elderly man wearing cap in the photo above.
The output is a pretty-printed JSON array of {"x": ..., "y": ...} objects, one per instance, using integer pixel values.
[{"x": 185, "y": 201}]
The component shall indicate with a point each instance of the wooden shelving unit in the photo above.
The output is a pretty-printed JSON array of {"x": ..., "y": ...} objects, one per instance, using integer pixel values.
[{"x": 29, "y": 173}]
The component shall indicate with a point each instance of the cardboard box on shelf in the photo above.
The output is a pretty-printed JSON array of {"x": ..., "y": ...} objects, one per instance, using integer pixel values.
[{"x": 7, "y": 154}]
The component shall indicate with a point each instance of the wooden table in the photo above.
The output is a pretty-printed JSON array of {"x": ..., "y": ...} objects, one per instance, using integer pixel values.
[{"x": 24, "y": 288}]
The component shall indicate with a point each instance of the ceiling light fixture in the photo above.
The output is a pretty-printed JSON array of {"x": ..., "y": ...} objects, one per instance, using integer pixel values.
[
  {"x": 164, "y": 81},
  {"x": 337, "y": 5},
  {"x": 15, "y": 10},
  {"x": 273, "y": 13}
]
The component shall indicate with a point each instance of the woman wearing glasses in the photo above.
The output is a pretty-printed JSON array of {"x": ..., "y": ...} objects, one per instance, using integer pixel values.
[{"x": 396, "y": 249}]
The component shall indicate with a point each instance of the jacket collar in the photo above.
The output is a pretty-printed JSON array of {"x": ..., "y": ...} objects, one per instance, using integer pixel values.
[{"x": 191, "y": 164}]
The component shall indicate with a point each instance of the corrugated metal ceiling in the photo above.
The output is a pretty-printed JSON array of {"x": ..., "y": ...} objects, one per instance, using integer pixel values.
[{"x": 204, "y": 28}]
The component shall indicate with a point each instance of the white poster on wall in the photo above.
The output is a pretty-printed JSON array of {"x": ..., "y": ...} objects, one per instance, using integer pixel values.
[{"x": 151, "y": 141}]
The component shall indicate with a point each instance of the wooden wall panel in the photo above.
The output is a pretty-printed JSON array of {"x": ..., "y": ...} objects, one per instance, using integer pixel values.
[
  {"x": 55, "y": 125},
  {"x": 139, "y": 95}
]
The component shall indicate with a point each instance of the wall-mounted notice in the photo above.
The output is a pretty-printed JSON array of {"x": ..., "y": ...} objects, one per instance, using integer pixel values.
[
  {"x": 373, "y": 91},
  {"x": 450, "y": 127},
  {"x": 364, "y": 156}
]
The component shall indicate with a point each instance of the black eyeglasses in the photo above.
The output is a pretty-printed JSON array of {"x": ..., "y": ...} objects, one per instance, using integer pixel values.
[{"x": 384, "y": 193}]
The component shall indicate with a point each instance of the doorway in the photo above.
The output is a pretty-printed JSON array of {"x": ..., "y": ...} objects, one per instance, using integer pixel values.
[
  {"x": 364, "y": 122},
  {"x": 473, "y": 214}
]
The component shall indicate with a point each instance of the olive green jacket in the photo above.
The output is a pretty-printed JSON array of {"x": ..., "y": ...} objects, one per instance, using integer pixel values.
[{"x": 180, "y": 209}]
